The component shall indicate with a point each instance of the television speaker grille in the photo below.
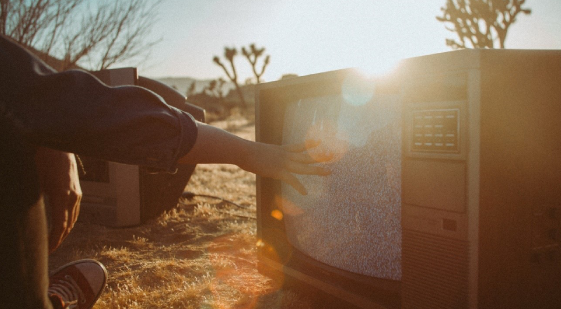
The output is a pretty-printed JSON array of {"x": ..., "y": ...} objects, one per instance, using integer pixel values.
[{"x": 435, "y": 271}]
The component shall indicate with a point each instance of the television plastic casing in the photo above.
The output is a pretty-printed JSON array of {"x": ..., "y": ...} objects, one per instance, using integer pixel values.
[
  {"x": 480, "y": 184},
  {"x": 120, "y": 195}
]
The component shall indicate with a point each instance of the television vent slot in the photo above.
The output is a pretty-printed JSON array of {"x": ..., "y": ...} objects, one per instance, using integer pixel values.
[{"x": 435, "y": 271}]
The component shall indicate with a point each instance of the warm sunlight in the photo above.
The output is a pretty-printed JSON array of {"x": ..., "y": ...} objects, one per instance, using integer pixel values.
[
  {"x": 301, "y": 37},
  {"x": 306, "y": 37},
  {"x": 266, "y": 154}
]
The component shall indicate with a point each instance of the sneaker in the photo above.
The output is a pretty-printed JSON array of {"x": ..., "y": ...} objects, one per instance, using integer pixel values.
[{"x": 77, "y": 285}]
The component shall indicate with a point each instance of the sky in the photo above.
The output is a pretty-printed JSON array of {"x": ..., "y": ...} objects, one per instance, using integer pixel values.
[{"x": 311, "y": 36}]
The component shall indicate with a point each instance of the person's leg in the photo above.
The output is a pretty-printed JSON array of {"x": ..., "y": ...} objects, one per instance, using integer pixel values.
[{"x": 23, "y": 230}]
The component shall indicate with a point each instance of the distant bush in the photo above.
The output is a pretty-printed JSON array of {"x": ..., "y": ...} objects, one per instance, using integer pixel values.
[{"x": 220, "y": 107}]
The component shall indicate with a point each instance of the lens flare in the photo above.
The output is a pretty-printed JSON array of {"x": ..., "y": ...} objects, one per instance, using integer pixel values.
[
  {"x": 333, "y": 142},
  {"x": 269, "y": 256},
  {"x": 364, "y": 113},
  {"x": 287, "y": 207},
  {"x": 277, "y": 214},
  {"x": 357, "y": 90},
  {"x": 234, "y": 271}
]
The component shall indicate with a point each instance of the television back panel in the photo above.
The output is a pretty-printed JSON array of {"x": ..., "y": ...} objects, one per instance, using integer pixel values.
[
  {"x": 481, "y": 180},
  {"x": 118, "y": 194}
]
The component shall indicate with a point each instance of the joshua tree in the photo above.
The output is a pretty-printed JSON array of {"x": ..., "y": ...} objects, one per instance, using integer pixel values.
[
  {"x": 229, "y": 54},
  {"x": 252, "y": 55},
  {"x": 480, "y": 23},
  {"x": 191, "y": 90},
  {"x": 215, "y": 89}
]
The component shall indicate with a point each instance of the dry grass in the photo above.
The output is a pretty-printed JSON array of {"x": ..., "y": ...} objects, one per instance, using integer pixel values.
[{"x": 200, "y": 255}]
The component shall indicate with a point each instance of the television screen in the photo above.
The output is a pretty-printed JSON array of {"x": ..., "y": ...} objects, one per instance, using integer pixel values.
[{"x": 360, "y": 202}]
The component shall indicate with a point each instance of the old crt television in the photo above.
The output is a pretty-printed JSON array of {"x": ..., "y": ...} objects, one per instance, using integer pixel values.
[
  {"x": 119, "y": 195},
  {"x": 445, "y": 189}
]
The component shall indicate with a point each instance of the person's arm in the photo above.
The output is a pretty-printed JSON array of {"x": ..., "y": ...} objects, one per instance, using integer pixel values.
[
  {"x": 214, "y": 145},
  {"x": 74, "y": 112}
]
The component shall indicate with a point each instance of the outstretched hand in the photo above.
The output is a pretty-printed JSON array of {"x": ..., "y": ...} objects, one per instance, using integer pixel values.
[
  {"x": 214, "y": 145},
  {"x": 58, "y": 175},
  {"x": 282, "y": 162}
]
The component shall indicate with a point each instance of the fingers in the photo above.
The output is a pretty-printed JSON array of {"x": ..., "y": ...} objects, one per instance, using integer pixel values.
[
  {"x": 65, "y": 209},
  {"x": 309, "y": 144},
  {"x": 301, "y": 158},
  {"x": 306, "y": 169},
  {"x": 289, "y": 160},
  {"x": 307, "y": 158},
  {"x": 301, "y": 152},
  {"x": 295, "y": 183},
  {"x": 61, "y": 227},
  {"x": 299, "y": 161},
  {"x": 56, "y": 237}
]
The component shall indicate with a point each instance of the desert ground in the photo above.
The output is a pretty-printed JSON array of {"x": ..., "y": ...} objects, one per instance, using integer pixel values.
[{"x": 202, "y": 254}]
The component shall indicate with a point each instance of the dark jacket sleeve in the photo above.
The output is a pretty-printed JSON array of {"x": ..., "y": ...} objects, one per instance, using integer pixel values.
[{"x": 73, "y": 111}]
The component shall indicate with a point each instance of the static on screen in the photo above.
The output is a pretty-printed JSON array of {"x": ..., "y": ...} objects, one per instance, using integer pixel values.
[{"x": 350, "y": 219}]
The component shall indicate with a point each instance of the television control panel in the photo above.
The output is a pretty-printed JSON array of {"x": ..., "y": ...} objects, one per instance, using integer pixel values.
[{"x": 435, "y": 130}]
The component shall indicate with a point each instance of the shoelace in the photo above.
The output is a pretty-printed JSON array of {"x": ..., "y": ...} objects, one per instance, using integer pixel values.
[{"x": 68, "y": 290}]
